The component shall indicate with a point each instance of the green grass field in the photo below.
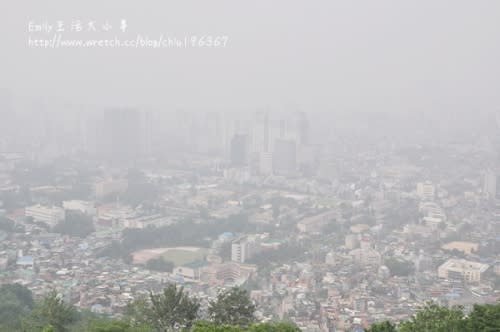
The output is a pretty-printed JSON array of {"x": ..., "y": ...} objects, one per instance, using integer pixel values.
[{"x": 181, "y": 257}]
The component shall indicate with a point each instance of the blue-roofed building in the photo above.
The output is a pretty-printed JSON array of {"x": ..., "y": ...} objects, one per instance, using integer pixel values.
[
  {"x": 226, "y": 236},
  {"x": 25, "y": 262}
]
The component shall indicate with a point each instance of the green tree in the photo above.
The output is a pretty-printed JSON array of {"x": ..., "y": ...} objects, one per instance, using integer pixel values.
[
  {"x": 435, "y": 318},
  {"x": 104, "y": 325},
  {"x": 51, "y": 311},
  {"x": 484, "y": 318},
  {"x": 16, "y": 301},
  {"x": 76, "y": 223},
  {"x": 274, "y": 327},
  {"x": 204, "y": 326},
  {"x": 173, "y": 309},
  {"x": 48, "y": 329},
  {"x": 232, "y": 307},
  {"x": 139, "y": 311},
  {"x": 400, "y": 267},
  {"x": 285, "y": 253},
  {"x": 139, "y": 189},
  {"x": 160, "y": 264},
  {"x": 385, "y": 326},
  {"x": 6, "y": 224}
]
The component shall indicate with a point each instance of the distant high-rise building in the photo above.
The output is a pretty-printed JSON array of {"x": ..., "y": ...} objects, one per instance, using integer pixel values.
[
  {"x": 212, "y": 135},
  {"x": 260, "y": 133},
  {"x": 239, "y": 150},
  {"x": 6, "y": 115},
  {"x": 283, "y": 128},
  {"x": 119, "y": 135},
  {"x": 265, "y": 163},
  {"x": 122, "y": 138},
  {"x": 303, "y": 128},
  {"x": 490, "y": 183},
  {"x": 146, "y": 133},
  {"x": 284, "y": 156}
]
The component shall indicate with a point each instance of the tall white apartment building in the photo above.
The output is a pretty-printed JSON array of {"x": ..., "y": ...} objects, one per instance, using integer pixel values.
[
  {"x": 426, "y": 190},
  {"x": 490, "y": 184},
  {"x": 244, "y": 248}
]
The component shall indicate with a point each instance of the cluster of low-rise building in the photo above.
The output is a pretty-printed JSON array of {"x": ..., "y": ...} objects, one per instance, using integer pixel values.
[{"x": 329, "y": 254}]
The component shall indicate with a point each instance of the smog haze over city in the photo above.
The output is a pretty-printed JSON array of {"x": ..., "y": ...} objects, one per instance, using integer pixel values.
[{"x": 250, "y": 166}]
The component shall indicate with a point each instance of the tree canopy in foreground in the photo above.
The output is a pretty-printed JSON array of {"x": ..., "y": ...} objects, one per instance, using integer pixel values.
[{"x": 232, "y": 311}]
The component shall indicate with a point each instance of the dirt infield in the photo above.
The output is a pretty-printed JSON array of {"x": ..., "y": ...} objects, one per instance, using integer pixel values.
[{"x": 142, "y": 256}]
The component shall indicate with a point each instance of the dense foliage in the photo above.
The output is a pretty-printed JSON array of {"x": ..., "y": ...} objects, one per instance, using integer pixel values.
[
  {"x": 51, "y": 312},
  {"x": 232, "y": 311},
  {"x": 173, "y": 309},
  {"x": 399, "y": 267},
  {"x": 6, "y": 224},
  {"x": 185, "y": 233},
  {"x": 284, "y": 254},
  {"x": 170, "y": 310},
  {"x": 75, "y": 224},
  {"x": 203, "y": 326},
  {"x": 160, "y": 264},
  {"x": 15, "y": 302},
  {"x": 434, "y": 318},
  {"x": 232, "y": 307}
]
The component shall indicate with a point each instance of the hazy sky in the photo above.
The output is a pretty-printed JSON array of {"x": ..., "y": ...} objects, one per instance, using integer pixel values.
[{"x": 380, "y": 55}]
